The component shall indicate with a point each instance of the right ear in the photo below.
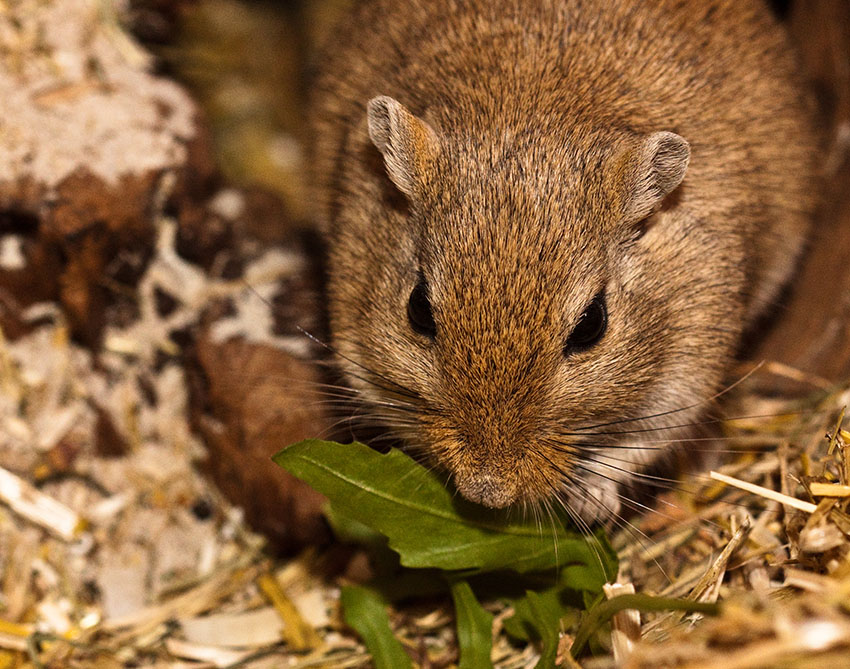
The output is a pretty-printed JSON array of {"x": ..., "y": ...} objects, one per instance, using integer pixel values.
[{"x": 408, "y": 144}]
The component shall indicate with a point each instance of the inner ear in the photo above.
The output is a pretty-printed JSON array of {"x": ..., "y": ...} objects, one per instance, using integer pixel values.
[
  {"x": 659, "y": 167},
  {"x": 409, "y": 145}
]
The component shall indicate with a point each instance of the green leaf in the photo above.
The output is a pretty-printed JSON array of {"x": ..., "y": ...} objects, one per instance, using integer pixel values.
[
  {"x": 403, "y": 583},
  {"x": 351, "y": 531},
  {"x": 474, "y": 628},
  {"x": 366, "y": 611},
  {"x": 382, "y": 558},
  {"x": 588, "y": 576},
  {"x": 560, "y": 603},
  {"x": 547, "y": 616},
  {"x": 430, "y": 527}
]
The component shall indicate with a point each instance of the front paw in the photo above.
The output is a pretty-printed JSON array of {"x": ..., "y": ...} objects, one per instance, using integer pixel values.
[{"x": 595, "y": 502}]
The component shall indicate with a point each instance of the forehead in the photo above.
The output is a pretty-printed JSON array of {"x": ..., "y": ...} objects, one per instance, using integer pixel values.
[
  {"x": 509, "y": 208},
  {"x": 505, "y": 261}
]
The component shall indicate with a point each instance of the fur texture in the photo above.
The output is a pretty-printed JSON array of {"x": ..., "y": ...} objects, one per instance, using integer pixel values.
[{"x": 526, "y": 155}]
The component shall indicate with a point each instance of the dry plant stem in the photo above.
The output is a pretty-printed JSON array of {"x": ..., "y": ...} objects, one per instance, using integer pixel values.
[
  {"x": 659, "y": 547},
  {"x": 787, "y": 371},
  {"x": 14, "y": 640},
  {"x": 707, "y": 588},
  {"x": 685, "y": 581},
  {"x": 810, "y": 637},
  {"x": 833, "y": 437},
  {"x": 805, "y": 580},
  {"x": 707, "y": 584},
  {"x": 765, "y": 492},
  {"x": 829, "y": 490},
  {"x": 297, "y": 632}
]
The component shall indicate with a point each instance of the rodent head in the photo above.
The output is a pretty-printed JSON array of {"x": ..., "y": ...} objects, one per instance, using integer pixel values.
[{"x": 517, "y": 301}]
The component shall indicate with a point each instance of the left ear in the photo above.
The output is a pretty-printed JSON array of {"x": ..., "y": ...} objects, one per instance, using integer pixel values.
[
  {"x": 408, "y": 144},
  {"x": 659, "y": 165}
]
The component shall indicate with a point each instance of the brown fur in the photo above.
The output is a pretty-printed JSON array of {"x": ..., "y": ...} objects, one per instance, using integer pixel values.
[{"x": 532, "y": 139}]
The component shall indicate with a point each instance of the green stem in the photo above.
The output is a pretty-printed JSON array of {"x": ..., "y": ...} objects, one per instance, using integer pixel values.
[{"x": 604, "y": 611}]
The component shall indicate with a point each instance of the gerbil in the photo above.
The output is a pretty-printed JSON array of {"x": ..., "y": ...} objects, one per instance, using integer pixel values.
[{"x": 549, "y": 223}]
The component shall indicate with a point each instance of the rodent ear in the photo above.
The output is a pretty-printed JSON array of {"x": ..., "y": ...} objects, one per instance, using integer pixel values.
[
  {"x": 407, "y": 143},
  {"x": 660, "y": 167}
]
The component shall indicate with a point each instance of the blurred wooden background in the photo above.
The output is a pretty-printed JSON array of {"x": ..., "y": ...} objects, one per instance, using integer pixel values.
[{"x": 812, "y": 328}]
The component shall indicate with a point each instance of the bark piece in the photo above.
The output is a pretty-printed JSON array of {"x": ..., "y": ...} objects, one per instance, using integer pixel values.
[{"x": 260, "y": 397}]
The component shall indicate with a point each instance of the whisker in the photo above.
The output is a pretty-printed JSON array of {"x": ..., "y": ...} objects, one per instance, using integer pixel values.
[
  {"x": 402, "y": 390},
  {"x": 712, "y": 421},
  {"x": 669, "y": 412},
  {"x": 638, "y": 535},
  {"x": 652, "y": 481},
  {"x": 672, "y": 444},
  {"x": 578, "y": 521}
]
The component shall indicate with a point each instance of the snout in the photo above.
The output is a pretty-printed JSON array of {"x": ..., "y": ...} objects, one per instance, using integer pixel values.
[{"x": 487, "y": 488}]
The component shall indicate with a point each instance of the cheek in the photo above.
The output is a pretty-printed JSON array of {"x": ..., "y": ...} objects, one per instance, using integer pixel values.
[{"x": 612, "y": 381}]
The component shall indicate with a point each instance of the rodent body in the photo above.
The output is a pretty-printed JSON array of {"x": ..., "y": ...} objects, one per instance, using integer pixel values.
[{"x": 490, "y": 172}]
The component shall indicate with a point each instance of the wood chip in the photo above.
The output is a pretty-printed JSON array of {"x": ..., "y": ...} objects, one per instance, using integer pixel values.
[
  {"x": 236, "y": 630},
  {"x": 625, "y": 625},
  {"x": 217, "y": 656},
  {"x": 25, "y": 499}
]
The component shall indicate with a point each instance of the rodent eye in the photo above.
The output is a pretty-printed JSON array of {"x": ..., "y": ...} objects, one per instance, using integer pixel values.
[
  {"x": 419, "y": 310},
  {"x": 590, "y": 327}
]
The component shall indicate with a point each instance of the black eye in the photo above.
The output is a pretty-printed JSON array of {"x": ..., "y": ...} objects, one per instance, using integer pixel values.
[
  {"x": 590, "y": 327},
  {"x": 419, "y": 310}
]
